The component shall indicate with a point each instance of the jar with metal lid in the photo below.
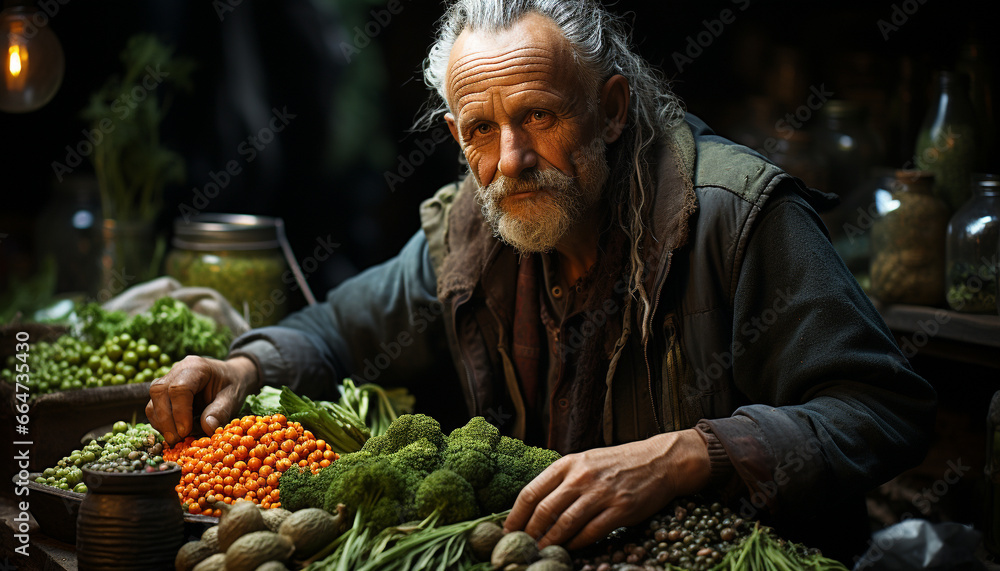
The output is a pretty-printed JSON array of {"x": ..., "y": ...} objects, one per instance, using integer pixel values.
[
  {"x": 907, "y": 240},
  {"x": 245, "y": 258},
  {"x": 973, "y": 234}
]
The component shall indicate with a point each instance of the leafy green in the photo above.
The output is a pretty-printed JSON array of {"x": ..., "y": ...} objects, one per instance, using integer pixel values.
[
  {"x": 169, "y": 323},
  {"x": 389, "y": 403}
]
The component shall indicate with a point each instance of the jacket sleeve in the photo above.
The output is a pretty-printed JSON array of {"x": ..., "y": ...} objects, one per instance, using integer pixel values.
[
  {"x": 380, "y": 325},
  {"x": 845, "y": 412}
]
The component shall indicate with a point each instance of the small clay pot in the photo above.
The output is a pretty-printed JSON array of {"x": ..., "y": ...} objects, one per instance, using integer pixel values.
[{"x": 129, "y": 520}]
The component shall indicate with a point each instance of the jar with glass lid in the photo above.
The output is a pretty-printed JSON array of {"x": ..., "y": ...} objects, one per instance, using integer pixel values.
[
  {"x": 907, "y": 240},
  {"x": 245, "y": 258},
  {"x": 973, "y": 235}
]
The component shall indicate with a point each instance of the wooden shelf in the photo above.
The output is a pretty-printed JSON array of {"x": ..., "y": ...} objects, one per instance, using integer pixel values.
[{"x": 944, "y": 333}]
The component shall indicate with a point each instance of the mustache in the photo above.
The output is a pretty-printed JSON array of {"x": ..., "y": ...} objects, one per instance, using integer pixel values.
[{"x": 531, "y": 181}]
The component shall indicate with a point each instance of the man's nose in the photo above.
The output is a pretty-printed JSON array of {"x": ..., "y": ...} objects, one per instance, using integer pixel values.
[{"x": 517, "y": 152}]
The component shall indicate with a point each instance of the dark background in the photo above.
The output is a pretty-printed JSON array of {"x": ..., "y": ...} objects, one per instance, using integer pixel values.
[{"x": 326, "y": 173}]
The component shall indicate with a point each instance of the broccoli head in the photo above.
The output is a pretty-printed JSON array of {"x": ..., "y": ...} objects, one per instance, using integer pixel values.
[
  {"x": 477, "y": 429},
  {"x": 511, "y": 446},
  {"x": 447, "y": 494},
  {"x": 535, "y": 460},
  {"x": 300, "y": 488},
  {"x": 406, "y": 429},
  {"x": 375, "y": 489},
  {"x": 421, "y": 455},
  {"x": 499, "y": 494},
  {"x": 470, "y": 462}
]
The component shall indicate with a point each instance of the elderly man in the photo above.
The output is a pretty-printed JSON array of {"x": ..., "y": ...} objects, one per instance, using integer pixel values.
[{"x": 658, "y": 304}]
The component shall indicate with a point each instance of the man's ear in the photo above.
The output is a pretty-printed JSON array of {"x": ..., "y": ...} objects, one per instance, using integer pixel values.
[
  {"x": 453, "y": 127},
  {"x": 614, "y": 107}
]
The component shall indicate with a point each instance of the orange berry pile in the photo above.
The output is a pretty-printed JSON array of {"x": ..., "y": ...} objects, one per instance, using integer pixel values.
[{"x": 243, "y": 460}]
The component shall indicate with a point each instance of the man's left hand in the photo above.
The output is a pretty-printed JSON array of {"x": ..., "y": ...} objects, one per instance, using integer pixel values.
[{"x": 582, "y": 497}]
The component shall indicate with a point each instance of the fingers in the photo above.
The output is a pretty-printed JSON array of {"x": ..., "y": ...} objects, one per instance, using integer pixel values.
[
  {"x": 223, "y": 407},
  {"x": 532, "y": 494},
  {"x": 598, "y": 528},
  {"x": 561, "y": 516},
  {"x": 171, "y": 397}
]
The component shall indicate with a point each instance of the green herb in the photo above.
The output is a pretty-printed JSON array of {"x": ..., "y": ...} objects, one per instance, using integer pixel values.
[
  {"x": 389, "y": 403},
  {"x": 168, "y": 323},
  {"x": 131, "y": 167},
  {"x": 426, "y": 546},
  {"x": 180, "y": 331},
  {"x": 971, "y": 288}
]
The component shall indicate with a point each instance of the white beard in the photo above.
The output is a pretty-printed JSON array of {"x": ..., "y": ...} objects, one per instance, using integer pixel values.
[{"x": 536, "y": 223}]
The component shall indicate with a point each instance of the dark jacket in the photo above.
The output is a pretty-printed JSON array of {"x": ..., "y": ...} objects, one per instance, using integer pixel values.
[{"x": 758, "y": 330}]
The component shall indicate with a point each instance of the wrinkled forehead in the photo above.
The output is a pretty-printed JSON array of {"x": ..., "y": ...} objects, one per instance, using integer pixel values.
[{"x": 532, "y": 50}]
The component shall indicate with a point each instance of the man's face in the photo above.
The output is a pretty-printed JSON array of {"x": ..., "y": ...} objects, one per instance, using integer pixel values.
[{"x": 522, "y": 117}]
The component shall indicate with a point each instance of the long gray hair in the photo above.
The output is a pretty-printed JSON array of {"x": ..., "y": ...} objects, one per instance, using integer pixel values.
[{"x": 601, "y": 46}]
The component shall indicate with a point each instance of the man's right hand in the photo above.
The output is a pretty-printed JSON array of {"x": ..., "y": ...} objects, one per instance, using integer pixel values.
[{"x": 223, "y": 385}]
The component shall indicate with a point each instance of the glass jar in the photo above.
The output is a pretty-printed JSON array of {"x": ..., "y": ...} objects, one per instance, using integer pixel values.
[
  {"x": 237, "y": 255},
  {"x": 852, "y": 149},
  {"x": 948, "y": 141},
  {"x": 907, "y": 240},
  {"x": 973, "y": 234}
]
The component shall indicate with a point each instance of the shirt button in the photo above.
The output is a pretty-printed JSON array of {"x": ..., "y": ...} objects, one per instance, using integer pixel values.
[
  {"x": 563, "y": 403},
  {"x": 557, "y": 292}
]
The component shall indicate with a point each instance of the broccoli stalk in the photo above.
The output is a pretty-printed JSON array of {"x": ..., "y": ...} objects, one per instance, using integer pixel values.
[{"x": 446, "y": 497}]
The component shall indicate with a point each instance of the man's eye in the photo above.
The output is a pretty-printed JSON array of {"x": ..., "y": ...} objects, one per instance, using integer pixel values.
[
  {"x": 540, "y": 115},
  {"x": 482, "y": 128}
]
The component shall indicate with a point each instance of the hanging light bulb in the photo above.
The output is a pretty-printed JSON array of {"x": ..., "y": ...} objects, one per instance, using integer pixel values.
[{"x": 33, "y": 62}]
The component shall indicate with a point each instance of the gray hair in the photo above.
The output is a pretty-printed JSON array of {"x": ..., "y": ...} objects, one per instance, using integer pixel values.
[{"x": 601, "y": 46}]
